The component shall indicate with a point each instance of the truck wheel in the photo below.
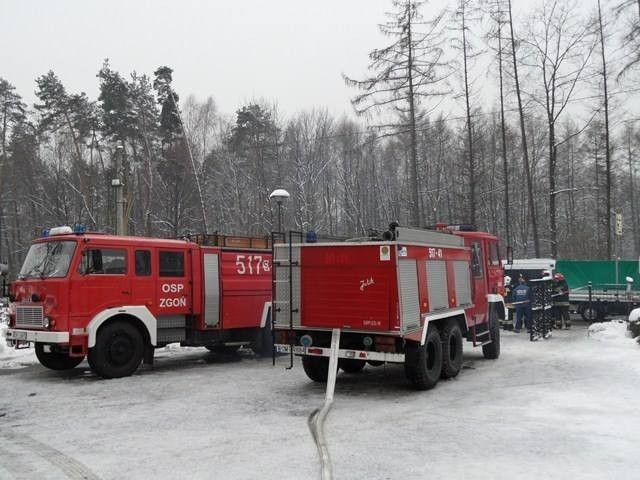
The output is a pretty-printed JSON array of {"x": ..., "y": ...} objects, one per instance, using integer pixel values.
[
  {"x": 492, "y": 350},
  {"x": 56, "y": 360},
  {"x": 590, "y": 314},
  {"x": 316, "y": 368},
  {"x": 423, "y": 363},
  {"x": 451, "y": 337},
  {"x": 351, "y": 365},
  {"x": 118, "y": 350}
]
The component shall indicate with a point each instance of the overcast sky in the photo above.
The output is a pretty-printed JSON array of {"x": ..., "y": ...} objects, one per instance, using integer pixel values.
[
  {"x": 285, "y": 50},
  {"x": 292, "y": 52}
]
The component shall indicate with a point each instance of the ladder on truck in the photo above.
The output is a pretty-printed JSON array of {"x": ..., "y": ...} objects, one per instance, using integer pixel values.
[
  {"x": 283, "y": 261},
  {"x": 483, "y": 337}
]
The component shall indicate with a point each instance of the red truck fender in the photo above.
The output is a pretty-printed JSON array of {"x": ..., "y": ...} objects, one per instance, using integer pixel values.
[{"x": 142, "y": 313}]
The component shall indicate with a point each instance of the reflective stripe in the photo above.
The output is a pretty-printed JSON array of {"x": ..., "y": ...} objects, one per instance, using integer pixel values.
[{"x": 37, "y": 336}]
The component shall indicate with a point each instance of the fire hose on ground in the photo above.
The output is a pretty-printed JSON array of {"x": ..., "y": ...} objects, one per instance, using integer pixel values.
[{"x": 317, "y": 418}]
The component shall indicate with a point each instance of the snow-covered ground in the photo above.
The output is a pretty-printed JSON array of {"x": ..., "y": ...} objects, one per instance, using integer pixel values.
[{"x": 566, "y": 407}]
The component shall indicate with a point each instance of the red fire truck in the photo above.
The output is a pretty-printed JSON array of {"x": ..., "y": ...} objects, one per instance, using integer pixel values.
[
  {"x": 116, "y": 298},
  {"x": 410, "y": 297}
]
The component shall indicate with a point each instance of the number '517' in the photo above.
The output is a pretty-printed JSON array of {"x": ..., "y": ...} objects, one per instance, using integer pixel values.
[{"x": 251, "y": 264}]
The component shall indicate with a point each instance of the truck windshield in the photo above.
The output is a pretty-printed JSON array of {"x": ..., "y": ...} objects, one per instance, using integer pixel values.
[{"x": 48, "y": 260}]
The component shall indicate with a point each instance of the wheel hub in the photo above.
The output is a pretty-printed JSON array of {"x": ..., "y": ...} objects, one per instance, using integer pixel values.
[{"x": 120, "y": 350}]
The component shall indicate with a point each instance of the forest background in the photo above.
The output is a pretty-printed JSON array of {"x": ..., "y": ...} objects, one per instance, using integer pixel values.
[{"x": 544, "y": 155}]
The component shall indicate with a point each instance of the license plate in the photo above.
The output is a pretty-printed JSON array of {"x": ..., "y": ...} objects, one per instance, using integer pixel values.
[
  {"x": 282, "y": 348},
  {"x": 19, "y": 335}
]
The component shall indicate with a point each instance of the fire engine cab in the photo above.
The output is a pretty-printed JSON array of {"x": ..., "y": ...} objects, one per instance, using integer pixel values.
[
  {"x": 410, "y": 296},
  {"x": 114, "y": 298}
]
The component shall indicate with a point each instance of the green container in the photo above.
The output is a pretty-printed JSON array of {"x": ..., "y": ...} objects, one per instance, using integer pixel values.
[{"x": 579, "y": 273}]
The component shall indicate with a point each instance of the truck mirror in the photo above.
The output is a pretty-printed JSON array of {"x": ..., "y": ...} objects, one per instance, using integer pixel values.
[{"x": 4, "y": 269}]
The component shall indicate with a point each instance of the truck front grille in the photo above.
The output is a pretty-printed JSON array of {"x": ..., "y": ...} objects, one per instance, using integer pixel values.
[{"x": 29, "y": 316}]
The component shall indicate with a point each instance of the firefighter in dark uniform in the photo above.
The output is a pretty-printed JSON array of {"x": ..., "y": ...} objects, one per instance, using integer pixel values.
[
  {"x": 521, "y": 299},
  {"x": 561, "y": 302}
]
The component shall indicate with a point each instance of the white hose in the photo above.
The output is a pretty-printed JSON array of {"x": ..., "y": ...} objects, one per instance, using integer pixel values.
[{"x": 318, "y": 417}]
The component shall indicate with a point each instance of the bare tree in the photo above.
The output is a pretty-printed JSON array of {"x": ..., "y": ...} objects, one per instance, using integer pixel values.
[
  {"x": 465, "y": 15},
  {"x": 561, "y": 45},
  {"x": 405, "y": 72},
  {"x": 631, "y": 39},
  {"x": 607, "y": 146},
  {"x": 523, "y": 132},
  {"x": 497, "y": 14}
]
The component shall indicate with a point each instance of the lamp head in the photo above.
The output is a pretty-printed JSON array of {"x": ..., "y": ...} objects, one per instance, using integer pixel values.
[{"x": 279, "y": 195}]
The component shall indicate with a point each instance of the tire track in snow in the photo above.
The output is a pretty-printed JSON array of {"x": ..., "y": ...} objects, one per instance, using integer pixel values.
[{"x": 21, "y": 468}]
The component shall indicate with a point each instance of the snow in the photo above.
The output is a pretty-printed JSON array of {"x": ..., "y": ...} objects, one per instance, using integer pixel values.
[
  {"x": 560, "y": 408},
  {"x": 613, "y": 331},
  {"x": 634, "y": 315},
  {"x": 10, "y": 357}
]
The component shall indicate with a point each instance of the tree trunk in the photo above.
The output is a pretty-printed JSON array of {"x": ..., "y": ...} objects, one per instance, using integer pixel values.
[
  {"x": 525, "y": 154},
  {"x": 632, "y": 200},
  {"x": 553, "y": 229},
  {"x": 413, "y": 177},
  {"x": 472, "y": 172},
  {"x": 606, "y": 131},
  {"x": 505, "y": 164}
]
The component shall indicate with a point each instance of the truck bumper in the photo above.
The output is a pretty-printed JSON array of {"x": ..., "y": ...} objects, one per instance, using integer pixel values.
[
  {"x": 350, "y": 354},
  {"x": 15, "y": 335}
]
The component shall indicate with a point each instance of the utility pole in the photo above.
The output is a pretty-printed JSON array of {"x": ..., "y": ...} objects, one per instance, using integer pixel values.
[{"x": 117, "y": 184}]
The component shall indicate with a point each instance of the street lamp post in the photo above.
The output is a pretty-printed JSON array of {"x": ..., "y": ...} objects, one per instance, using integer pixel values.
[
  {"x": 117, "y": 184},
  {"x": 279, "y": 195}
]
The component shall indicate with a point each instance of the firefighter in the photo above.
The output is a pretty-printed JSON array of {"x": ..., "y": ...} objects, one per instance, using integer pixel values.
[
  {"x": 561, "y": 301},
  {"x": 521, "y": 299},
  {"x": 507, "y": 302}
]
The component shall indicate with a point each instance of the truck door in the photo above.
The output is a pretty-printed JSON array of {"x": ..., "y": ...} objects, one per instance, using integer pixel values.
[
  {"x": 173, "y": 286},
  {"x": 143, "y": 286},
  {"x": 479, "y": 281},
  {"x": 101, "y": 281}
]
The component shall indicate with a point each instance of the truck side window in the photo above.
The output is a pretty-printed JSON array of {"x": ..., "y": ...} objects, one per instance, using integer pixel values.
[
  {"x": 103, "y": 261},
  {"x": 494, "y": 255},
  {"x": 143, "y": 263},
  {"x": 171, "y": 264},
  {"x": 476, "y": 259}
]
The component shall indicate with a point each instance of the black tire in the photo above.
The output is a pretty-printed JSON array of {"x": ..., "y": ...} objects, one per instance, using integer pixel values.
[
  {"x": 591, "y": 314},
  {"x": 316, "y": 368},
  {"x": 56, "y": 360},
  {"x": 423, "y": 363},
  {"x": 375, "y": 363},
  {"x": 350, "y": 365},
  {"x": 452, "y": 342},
  {"x": 118, "y": 350},
  {"x": 491, "y": 351}
]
